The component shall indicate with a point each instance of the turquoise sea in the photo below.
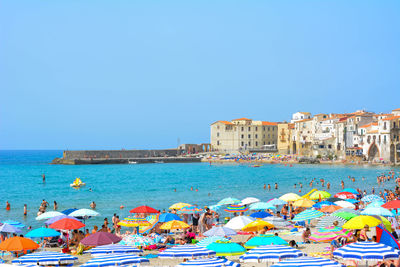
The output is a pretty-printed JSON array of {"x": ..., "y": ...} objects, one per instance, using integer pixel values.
[{"x": 153, "y": 184}]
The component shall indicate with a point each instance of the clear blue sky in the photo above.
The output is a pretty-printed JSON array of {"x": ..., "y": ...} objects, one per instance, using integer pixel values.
[{"x": 78, "y": 74}]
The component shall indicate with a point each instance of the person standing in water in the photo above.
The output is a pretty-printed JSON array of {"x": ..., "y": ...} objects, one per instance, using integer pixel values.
[
  {"x": 55, "y": 205},
  {"x": 44, "y": 178},
  {"x": 25, "y": 210},
  {"x": 8, "y": 206}
]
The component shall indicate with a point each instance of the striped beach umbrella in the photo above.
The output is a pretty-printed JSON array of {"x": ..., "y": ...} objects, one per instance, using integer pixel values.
[
  {"x": 378, "y": 211},
  {"x": 262, "y": 206},
  {"x": 134, "y": 222},
  {"x": 14, "y": 223},
  {"x": 46, "y": 258},
  {"x": 347, "y": 210},
  {"x": 236, "y": 208},
  {"x": 321, "y": 204},
  {"x": 112, "y": 249},
  {"x": 190, "y": 210},
  {"x": 186, "y": 251},
  {"x": 114, "y": 260},
  {"x": 278, "y": 222},
  {"x": 48, "y": 215},
  {"x": 263, "y": 240},
  {"x": 271, "y": 253},
  {"x": 220, "y": 231},
  {"x": 307, "y": 215},
  {"x": 210, "y": 262},
  {"x": 345, "y": 195},
  {"x": 174, "y": 225},
  {"x": 178, "y": 206},
  {"x": 328, "y": 220},
  {"x": 211, "y": 239},
  {"x": 136, "y": 241},
  {"x": 309, "y": 262},
  {"x": 345, "y": 215},
  {"x": 226, "y": 248},
  {"x": 371, "y": 198},
  {"x": 229, "y": 201},
  {"x": 327, "y": 234},
  {"x": 366, "y": 251}
]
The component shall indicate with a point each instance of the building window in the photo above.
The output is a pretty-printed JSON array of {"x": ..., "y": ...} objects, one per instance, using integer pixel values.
[
  {"x": 384, "y": 139},
  {"x": 249, "y": 143},
  {"x": 217, "y": 143},
  {"x": 217, "y": 134},
  {"x": 256, "y": 143},
  {"x": 268, "y": 128},
  {"x": 264, "y": 136},
  {"x": 264, "y": 142},
  {"x": 256, "y": 129},
  {"x": 384, "y": 125},
  {"x": 329, "y": 146},
  {"x": 269, "y": 143},
  {"x": 242, "y": 136},
  {"x": 242, "y": 143},
  {"x": 242, "y": 129},
  {"x": 263, "y": 128},
  {"x": 256, "y": 136},
  {"x": 249, "y": 129},
  {"x": 249, "y": 136},
  {"x": 269, "y": 135},
  {"x": 218, "y": 127}
]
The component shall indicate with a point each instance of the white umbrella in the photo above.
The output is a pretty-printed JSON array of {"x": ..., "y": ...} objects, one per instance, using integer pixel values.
[
  {"x": 84, "y": 213},
  {"x": 249, "y": 200},
  {"x": 238, "y": 222},
  {"x": 345, "y": 204},
  {"x": 48, "y": 215}
]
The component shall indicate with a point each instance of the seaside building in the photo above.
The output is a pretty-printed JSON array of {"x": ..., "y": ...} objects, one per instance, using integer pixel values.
[
  {"x": 299, "y": 116},
  {"x": 284, "y": 137},
  {"x": 302, "y": 137}
]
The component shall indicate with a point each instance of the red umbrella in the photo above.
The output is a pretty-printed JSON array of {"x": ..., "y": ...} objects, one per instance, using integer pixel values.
[
  {"x": 394, "y": 204},
  {"x": 66, "y": 224},
  {"x": 345, "y": 195},
  {"x": 144, "y": 209},
  {"x": 100, "y": 238}
]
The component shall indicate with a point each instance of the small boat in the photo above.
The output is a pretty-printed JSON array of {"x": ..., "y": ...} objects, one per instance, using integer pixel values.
[
  {"x": 132, "y": 162},
  {"x": 77, "y": 183}
]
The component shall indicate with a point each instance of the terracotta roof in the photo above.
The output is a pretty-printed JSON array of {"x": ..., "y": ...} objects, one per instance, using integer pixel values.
[
  {"x": 397, "y": 109},
  {"x": 242, "y": 119},
  {"x": 391, "y": 118},
  {"x": 369, "y": 125},
  {"x": 291, "y": 125},
  {"x": 225, "y": 122},
  {"x": 267, "y": 123},
  {"x": 356, "y": 148},
  {"x": 305, "y": 113}
]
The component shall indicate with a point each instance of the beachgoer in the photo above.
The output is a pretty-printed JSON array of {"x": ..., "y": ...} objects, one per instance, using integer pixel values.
[
  {"x": 43, "y": 178},
  {"x": 363, "y": 233},
  {"x": 95, "y": 228},
  {"x": 265, "y": 186},
  {"x": 55, "y": 205},
  {"x": 306, "y": 235},
  {"x": 276, "y": 186},
  {"x": 25, "y": 210},
  {"x": 8, "y": 206},
  {"x": 269, "y": 187},
  {"x": 106, "y": 222},
  {"x": 93, "y": 205},
  {"x": 121, "y": 207}
]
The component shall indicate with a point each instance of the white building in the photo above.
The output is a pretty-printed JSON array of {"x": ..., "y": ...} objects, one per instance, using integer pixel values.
[{"x": 299, "y": 116}]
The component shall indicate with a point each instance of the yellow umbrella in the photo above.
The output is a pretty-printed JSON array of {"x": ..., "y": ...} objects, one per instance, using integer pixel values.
[
  {"x": 319, "y": 195},
  {"x": 173, "y": 225},
  {"x": 178, "y": 206},
  {"x": 290, "y": 197},
  {"x": 304, "y": 202},
  {"x": 360, "y": 221},
  {"x": 257, "y": 225},
  {"x": 386, "y": 222}
]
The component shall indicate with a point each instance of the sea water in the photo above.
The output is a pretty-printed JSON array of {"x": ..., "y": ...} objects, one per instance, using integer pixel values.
[{"x": 132, "y": 185}]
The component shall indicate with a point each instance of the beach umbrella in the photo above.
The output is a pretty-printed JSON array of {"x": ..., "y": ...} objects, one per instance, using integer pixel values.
[
  {"x": 56, "y": 218},
  {"x": 308, "y": 261},
  {"x": 136, "y": 241},
  {"x": 276, "y": 202},
  {"x": 238, "y": 222},
  {"x": 375, "y": 204},
  {"x": 229, "y": 201},
  {"x": 208, "y": 240},
  {"x": 215, "y": 207},
  {"x": 236, "y": 208},
  {"x": 319, "y": 195},
  {"x": 112, "y": 249},
  {"x": 345, "y": 204},
  {"x": 68, "y": 211},
  {"x": 18, "y": 244},
  {"x": 394, "y": 204},
  {"x": 144, "y": 209},
  {"x": 48, "y": 215},
  {"x": 190, "y": 210},
  {"x": 115, "y": 259},
  {"x": 262, "y": 240},
  {"x": 321, "y": 204},
  {"x": 257, "y": 225},
  {"x": 384, "y": 221},
  {"x": 366, "y": 251},
  {"x": 66, "y": 224},
  {"x": 42, "y": 232},
  {"x": 307, "y": 215},
  {"x": 303, "y": 202},
  {"x": 179, "y": 205},
  {"x": 166, "y": 217},
  {"x": 14, "y": 223},
  {"x": 8, "y": 228},
  {"x": 333, "y": 199},
  {"x": 262, "y": 206},
  {"x": 378, "y": 211},
  {"x": 330, "y": 209},
  {"x": 290, "y": 197},
  {"x": 84, "y": 213},
  {"x": 371, "y": 198},
  {"x": 327, "y": 234},
  {"x": 220, "y": 231},
  {"x": 226, "y": 248},
  {"x": 186, "y": 251},
  {"x": 345, "y": 195},
  {"x": 210, "y": 262},
  {"x": 327, "y": 221},
  {"x": 174, "y": 225},
  {"x": 347, "y": 210},
  {"x": 360, "y": 221},
  {"x": 46, "y": 258},
  {"x": 271, "y": 253},
  {"x": 350, "y": 190},
  {"x": 346, "y": 215},
  {"x": 278, "y": 222},
  {"x": 260, "y": 215},
  {"x": 100, "y": 238},
  {"x": 352, "y": 201},
  {"x": 134, "y": 222},
  {"x": 249, "y": 200}
]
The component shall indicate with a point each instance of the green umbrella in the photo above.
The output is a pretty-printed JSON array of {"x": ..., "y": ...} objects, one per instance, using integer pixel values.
[
  {"x": 262, "y": 240},
  {"x": 346, "y": 215},
  {"x": 226, "y": 248}
]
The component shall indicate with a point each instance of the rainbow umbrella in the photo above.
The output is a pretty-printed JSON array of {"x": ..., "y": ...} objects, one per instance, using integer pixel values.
[
  {"x": 327, "y": 234},
  {"x": 178, "y": 206},
  {"x": 136, "y": 241},
  {"x": 236, "y": 208},
  {"x": 134, "y": 222}
]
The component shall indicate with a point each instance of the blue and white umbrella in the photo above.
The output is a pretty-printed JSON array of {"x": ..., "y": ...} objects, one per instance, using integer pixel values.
[
  {"x": 278, "y": 222},
  {"x": 211, "y": 262},
  {"x": 309, "y": 262},
  {"x": 48, "y": 215},
  {"x": 186, "y": 251},
  {"x": 8, "y": 228},
  {"x": 46, "y": 258},
  {"x": 115, "y": 259},
  {"x": 270, "y": 253},
  {"x": 375, "y": 204},
  {"x": 211, "y": 239},
  {"x": 113, "y": 248},
  {"x": 14, "y": 223},
  {"x": 378, "y": 211},
  {"x": 277, "y": 202},
  {"x": 366, "y": 251},
  {"x": 308, "y": 215},
  {"x": 262, "y": 206},
  {"x": 328, "y": 221},
  {"x": 371, "y": 198},
  {"x": 220, "y": 231}
]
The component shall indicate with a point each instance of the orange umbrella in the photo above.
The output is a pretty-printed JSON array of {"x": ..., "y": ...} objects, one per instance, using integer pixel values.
[
  {"x": 330, "y": 208},
  {"x": 18, "y": 244}
]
